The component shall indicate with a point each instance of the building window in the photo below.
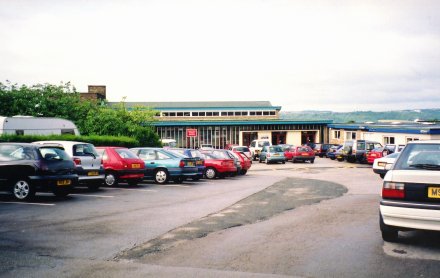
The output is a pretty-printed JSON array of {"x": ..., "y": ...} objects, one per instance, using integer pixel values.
[
  {"x": 230, "y": 113},
  {"x": 389, "y": 140},
  {"x": 195, "y": 114},
  {"x": 179, "y": 114},
  {"x": 19, "y": 132},
  {"x": 272, "y": 113},
  {"x": 224, "y": 113},
  {"x": 215, "y": 114},
  {"x": 202, "y": 114},
  {"x": 172, "y": 114},
  {"x": 337, "y": 134},
  {"x": 186, "y": 114},
  {"x": 237, "y": 113},
  {"x": 266, "y": 113},
  {"x": 165, "y": 114},
  {"x": 244, "y": 113},
  {"x": 350, "y": 135},
  {"x": 209, "y": 114},
  {"x": 259, "y": 113},
  {"x": 252, "y": 113},
  {"x": 409, "y": 139}
]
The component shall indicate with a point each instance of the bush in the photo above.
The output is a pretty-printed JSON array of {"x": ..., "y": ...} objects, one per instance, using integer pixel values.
[{"x": 120, "y": 141}]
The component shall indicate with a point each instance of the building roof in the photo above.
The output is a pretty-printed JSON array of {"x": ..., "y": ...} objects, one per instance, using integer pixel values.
[
  {"x": 242, "y": 122},
  {"x": 203, "y": 105},
  {"x": 410, "y": 128}
]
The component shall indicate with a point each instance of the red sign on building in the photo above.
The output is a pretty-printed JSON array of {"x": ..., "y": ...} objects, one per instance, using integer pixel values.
[{"x": 191, "y": 132}]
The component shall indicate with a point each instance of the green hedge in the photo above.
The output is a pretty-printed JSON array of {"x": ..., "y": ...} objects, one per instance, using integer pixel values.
[{"x": 121, "y": 141}]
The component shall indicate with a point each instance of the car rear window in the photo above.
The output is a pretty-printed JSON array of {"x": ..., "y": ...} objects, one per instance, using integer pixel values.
[
  {"x": 221, "y": 154},
  {"x": 275, "y": 149},
  {"x": 304, "y": 149},
  {"x": 84, "y": 150},
  {"x": 241, "y": 149},
  {"x": 419, "y": 156},
  {"x": 195, "y": 153},
  {"x": 124, "y": 153},
  {"x": 10, "y": 152},
  {"x": 49, "y": 153}
]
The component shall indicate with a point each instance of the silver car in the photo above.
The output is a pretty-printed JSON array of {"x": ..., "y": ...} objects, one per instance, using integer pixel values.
[{"x": 88, "y": 163}]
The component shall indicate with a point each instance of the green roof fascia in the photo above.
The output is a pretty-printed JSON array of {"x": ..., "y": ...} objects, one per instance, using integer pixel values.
[
  {"x": 223, "y": 123},
  {"x": 213, "y": 108}
]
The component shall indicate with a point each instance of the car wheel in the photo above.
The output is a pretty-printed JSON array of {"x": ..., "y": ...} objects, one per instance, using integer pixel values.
[
  {"x": 62, "y": 192},
  {"x": 110, "y": 179},
  {"x": 178, "y": 180},
  {"x": 312, "y": 161},
  {"x": 382, "y": 175},
  {"x": 243, "y": 172},
  {"x": 340, "y": 159},
  {"x": 293, "y": 160},
  {"x": 161, "y": 176},
  {"x": 93, "y": 186},
  {"x": 389, "y": 233},
  {"x": 210, "y": 173},
  {"x": 332, "y": 158},
  {"x": 284, "y": 162},
  {"x": 23, "y": 190},
  {"x": 259, "y": 160}
]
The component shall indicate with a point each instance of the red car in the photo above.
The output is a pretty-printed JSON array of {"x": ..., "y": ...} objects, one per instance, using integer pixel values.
[
  {"x": 301, "y": 153},
  {"x": 120, "y": 164},
  {"x": 218, "y": 167},
  {"x": 244, "y": 161}
]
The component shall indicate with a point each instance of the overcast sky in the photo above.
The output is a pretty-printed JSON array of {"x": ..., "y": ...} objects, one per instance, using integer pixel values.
[{"x": 301, "y": 55}]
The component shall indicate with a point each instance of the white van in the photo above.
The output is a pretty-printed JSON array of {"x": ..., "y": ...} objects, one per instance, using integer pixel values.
[
  {"x": 168, "y": 143},
  {"x": 27, "y": 125},
  {"x": 256, "y": 146}
]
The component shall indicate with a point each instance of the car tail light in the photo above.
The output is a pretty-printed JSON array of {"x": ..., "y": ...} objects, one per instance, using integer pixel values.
[
  {"x": 203, "y": 162},
  {"x": 394, "y": 190},
  {"x": 77, "y": 160},
  {"x": 182, "y": 164},
  {"x": 268, "y": 154}
]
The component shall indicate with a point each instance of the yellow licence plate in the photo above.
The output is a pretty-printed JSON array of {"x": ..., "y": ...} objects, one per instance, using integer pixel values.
[
  {"x": 135, "y": 166},
  {"x": 276, "y": 154},
  {"x": 93, "y": 173},
  {"x": 434, "y": 192},
  {"x": 64, "y": 182},
  {"x": 191, "y": 164}
]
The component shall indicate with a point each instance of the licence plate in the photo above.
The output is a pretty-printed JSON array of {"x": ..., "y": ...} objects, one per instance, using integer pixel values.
[
  {"x": 381, "y": 164},
  {"x": 304, "y": 154},
  {"x": 190, "y": 164},
  {"x": 93, "y": 173},
  {"x": 64, "y": 182},
  {"x": 199, "y": 163},
  {"x": 434, "y": 192},
  {"x": 135, "y": 166},
  {"x": 276, "y": 154}
]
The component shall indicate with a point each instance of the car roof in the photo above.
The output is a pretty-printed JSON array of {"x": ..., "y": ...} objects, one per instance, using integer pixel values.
[
  {"x": 425, "y": 142},
  {"x": 71, "y": 143}
]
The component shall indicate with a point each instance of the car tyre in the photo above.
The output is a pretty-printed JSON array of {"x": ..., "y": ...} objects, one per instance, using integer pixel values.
[
  {"x": 62, "y": 192},
  {"x": 23, "y": 190},
  {"x": 178, "y": 180},
  {"x": 110, "y": 179},
  {"x": 389, "y": 233},
  {"x": 210, "y": 173},
  {"x": 161, "y": 176},
  {"x": 382, "y": 175},
  {"x": 284, "y": 162},
  {"x": 312, "y": 161},
  {"x": 243, "y": 172}
]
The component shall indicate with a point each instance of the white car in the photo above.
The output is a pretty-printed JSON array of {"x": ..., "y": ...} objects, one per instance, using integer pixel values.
[
  {"x": 383, "y": 164},
  {"x": 256, "y": 146},
  {"x": 88, "y": 163},
  {"x": 243, "y": 149},
  {"x": 411, "y": 191}
]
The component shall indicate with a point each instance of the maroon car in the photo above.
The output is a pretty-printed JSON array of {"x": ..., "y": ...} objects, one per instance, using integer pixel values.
[{"x": 120, "y": 164}]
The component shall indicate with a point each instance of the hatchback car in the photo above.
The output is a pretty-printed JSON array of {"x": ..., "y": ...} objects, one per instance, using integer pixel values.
[
  {"x": 28, "y": 168},
  {"x": 270, "y": 154},
  {"x": 88, "y": 164},
  {"x": 197, "y": 155},
  {"x": 120, "y": 164},
  {"x": 302, "y": 153},
  {"x": 243, "y": 149},
  {"x": 218, "y": 167},
  {"x": 411, "y": 191},
  {"x": 161, "y": 165}
]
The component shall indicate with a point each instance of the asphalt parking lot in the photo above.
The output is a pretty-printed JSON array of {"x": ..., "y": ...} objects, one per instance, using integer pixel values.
[{"x": 280, "y": 219}]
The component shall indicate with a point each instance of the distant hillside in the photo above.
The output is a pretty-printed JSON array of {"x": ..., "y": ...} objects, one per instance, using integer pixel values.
[{"x": 363, "y": 116}]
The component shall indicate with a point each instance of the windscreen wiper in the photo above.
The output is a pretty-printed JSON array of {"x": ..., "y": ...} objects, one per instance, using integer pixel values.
[{"x": 426, "y": 166}]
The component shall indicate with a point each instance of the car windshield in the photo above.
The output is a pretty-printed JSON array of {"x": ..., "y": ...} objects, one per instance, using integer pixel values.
[
  {"x": 275, "y": 149},
  {"x": 419, "y": 156},
  {"x": 10, "y": 152},
  {"x": 196, "y": 153},
  {"x": 124, "y": 153}
]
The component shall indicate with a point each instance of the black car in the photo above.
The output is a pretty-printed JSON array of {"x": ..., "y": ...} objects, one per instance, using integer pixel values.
[
  {"x": 28, "y": 168},
  {"x": 324, "y": 148}
]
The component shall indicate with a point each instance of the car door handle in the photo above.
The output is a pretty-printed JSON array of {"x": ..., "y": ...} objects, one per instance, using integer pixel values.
[{"x": 152, "y": 163}]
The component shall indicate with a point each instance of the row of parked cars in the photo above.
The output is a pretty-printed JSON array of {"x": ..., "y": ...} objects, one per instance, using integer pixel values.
[{"x": 58, "y": 166}]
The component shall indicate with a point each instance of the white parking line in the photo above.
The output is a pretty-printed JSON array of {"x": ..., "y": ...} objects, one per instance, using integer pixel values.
[
  {"x": 175, "y": 185},
  {"x": 88, "y": 195},
  {"x": 144, "y": 190},
  {"x": 24, "y": 203}
]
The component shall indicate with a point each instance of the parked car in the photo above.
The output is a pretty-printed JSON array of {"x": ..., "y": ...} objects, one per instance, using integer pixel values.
[
  {"x": 218, "y": 167},
  {"x": 120, "y": 164},
  {"x": 331, "y": 152},
  {"x": 285, "y": 146},
  {"x": 197, "y": 155},
  {"x": 243, "y": 149},
  {"x": 88, "y": 164},
  {"x": 271, "y": 154},
  {"x": 206, "y": 147},
  {"x": 383, "y": 164},
  {"x": 322, "y": 149},
  {"x": 243, "y": 160},
  {"x": 28, "y": 168},
  {"x": 256, "y": 146},
  {"x": 356, "y": 150},
  {"x": 302, "y": 153},
  {"x": 228, "y": 155},
  {"x": 411, "y": 191},
  {"x": 383, "y": 151},
  {"x": 162, "y": 165}
]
